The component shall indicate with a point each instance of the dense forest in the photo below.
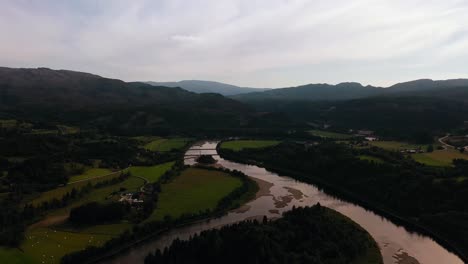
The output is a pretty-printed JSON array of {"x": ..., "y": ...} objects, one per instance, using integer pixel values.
[
  {"x": 433, "y": 197},
  {"x": 304, "y": 235}
]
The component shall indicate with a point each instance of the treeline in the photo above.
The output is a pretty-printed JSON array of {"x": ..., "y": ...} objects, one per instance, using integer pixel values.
[
  {"x": 14, "y": 219},
  {"x": 421, "y": 194},
  {"x": 304, "y": 235},
  {"x": 146, "y": 230},
  {"x": 410, "y": 118},
  {"x": 97, "y": 213}
]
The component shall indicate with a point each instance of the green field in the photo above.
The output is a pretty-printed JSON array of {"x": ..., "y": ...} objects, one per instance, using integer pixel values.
[
  {"x": 50, "y": 243},
  {"x": 439, "y": 157},
  {"x": 371, "y": 158},
  {"x": 151, "y": 173},
  {"x": 14, "y": 256},
  {"x": 89, "y": 174},
  {"x": 59, "y": 192},
  {"x": 237, "y": 145},
  {"x": 396, "y": 145},
  {"x": 328, "y": 134},
  {"x": 192, "y": 191},
  {"x": 163, "y": 145}
]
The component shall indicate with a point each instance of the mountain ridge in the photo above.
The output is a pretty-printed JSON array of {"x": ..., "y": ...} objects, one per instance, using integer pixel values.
[{"x": 202, "y": 86}]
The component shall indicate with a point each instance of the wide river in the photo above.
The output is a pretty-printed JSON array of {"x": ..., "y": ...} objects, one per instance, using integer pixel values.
[{"x": 280, "y": 193}]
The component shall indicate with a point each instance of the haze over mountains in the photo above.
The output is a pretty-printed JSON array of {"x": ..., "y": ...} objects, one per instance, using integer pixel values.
[
  {"x": 198, "y": 86},
  {"x": 350, "y": 90},
  {"x": 313, "y": 92}
]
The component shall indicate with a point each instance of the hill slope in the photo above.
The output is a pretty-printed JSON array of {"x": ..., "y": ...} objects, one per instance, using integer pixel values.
[
  {"x": 197, "y": 86},
  {"x": 87, "y": 99},
  {"x": 314, "y": 92}
]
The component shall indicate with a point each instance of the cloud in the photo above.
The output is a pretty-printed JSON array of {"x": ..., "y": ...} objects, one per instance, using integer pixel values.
[{"x": 265, "y": 43}]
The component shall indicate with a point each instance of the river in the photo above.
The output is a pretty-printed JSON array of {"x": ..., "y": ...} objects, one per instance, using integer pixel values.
[{"x": 281, "y": 193}]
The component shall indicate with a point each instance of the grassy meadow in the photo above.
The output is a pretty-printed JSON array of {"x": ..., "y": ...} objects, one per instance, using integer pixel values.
[
  {"x": 396, "y": 145},
  {"x": 89, "y": 174},
  {"x": 237, "y": 145},
  {"x": 164, "y": 145},
  {"x": 151, "y": 173},
  {"x": 439, "y": 157},
  {"x": 192, "y": 191},
  {"x": 14, "y": 256},
  {"x": 59, "y": 192},
  {"x": 48, "y": 240}
]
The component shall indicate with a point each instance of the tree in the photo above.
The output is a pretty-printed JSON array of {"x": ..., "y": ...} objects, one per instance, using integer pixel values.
[{"x": 430, "y": 148}]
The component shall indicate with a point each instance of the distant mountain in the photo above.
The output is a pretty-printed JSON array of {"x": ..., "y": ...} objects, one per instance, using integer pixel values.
[
  {"x": 87, "y": 99},
  {"x": 350, "y": 90},
  {"x": 197, "y": 86},
  {"x": 314, "y": 92},
  {"x": 427, "y": 84}
]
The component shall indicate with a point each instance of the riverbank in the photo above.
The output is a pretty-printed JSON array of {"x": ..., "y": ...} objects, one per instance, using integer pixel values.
[
  {"x": 340, "y": 192},
  {"x": 158, "y": 226}
]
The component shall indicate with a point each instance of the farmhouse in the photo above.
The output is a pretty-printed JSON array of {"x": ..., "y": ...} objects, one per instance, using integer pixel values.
[
  {"x": 132, "y": 198},
  {"x": 365, "y": 133}
]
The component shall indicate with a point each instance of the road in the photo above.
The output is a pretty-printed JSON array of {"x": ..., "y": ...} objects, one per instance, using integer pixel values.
[{"x": 445, "y": 145}]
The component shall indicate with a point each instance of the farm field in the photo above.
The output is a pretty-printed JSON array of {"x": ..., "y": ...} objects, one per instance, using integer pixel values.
[
  {"x": 396, "y": 145},
  {"x": 89, "y": 174},
  {"x": 48, "y": 245},
  {"x": 328, "y": 134},
  {"x": 439, "y": 157},
  {"x": 151, "y": 173},
  {"x": 237, "y": 145},
  {"x": 42, "y": 239},
  {"x": 14, "y": 256},
  {"x": 192, "y": 191},
  {"x": 163, "y": 145},
  {"x": 59, "y": 192}
]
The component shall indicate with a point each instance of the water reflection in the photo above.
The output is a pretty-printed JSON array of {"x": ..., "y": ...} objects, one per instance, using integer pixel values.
[{"x": 397, "y": 244}]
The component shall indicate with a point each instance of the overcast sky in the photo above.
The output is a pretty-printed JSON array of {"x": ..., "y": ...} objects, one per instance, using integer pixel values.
[{"x": 259, "y": 43}]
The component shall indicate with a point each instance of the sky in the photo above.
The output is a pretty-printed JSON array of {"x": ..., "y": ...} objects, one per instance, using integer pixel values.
[{"x": 255, "y": 43}]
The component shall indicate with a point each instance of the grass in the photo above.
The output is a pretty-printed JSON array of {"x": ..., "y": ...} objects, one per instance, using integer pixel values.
[
  {"x": 14, "y": 256},
  {"x": 442, "y": 158},
  {"x": 59, "y": 192},
  {"x": 192, "y": 191},
  {"x": 237, "y": 145},
  {"x": 68, "y": 130},
  {"x": 152, "y": 173},
  {"x": 46, "y": 245},
  {"x": 396, "y": 145},
  {"x": 328, "y": 134},
  {"x": 371, "y": 158},
  {"x": 49, "y": 244},
  {"x": 164, "y": 145},
  {"x": 105, "y": 193},
  {"x": 89, "y": 174},
  {"x": 8, "y": 123}
]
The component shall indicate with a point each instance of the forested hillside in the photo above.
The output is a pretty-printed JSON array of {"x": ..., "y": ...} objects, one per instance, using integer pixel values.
[{"x": 304, "y": 235}]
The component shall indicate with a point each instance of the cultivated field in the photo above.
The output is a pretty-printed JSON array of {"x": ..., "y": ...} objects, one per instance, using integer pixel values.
[
  {"x": 151, "y": 173},
  {"x": 237, "y": 145},
  {"x": 192, "y": 191}
]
